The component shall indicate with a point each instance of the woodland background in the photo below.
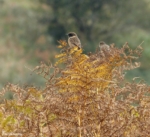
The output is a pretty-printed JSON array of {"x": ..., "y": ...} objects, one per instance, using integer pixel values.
[{"x": 30, "y": 29}]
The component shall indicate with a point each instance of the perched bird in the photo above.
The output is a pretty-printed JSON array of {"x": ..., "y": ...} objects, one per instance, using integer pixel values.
[
  {"x": 104, "y": 49},
  {"x": 73, "y": 40}
]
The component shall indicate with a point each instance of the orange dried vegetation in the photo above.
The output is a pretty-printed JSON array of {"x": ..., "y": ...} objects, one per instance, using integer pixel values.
[{"x": 88, "y": 96}]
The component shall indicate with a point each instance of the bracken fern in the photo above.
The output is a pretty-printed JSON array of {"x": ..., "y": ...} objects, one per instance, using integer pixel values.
[{"x": 85, "y": 96}]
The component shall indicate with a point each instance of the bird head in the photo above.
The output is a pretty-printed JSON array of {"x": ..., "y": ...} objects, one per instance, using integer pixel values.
[
  {"x": 71, "y": 34},
  {"x": 102, "y": 43}
]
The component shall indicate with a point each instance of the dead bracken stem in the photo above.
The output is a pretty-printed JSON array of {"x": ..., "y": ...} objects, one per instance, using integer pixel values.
[{"x": 79, "y": 121}]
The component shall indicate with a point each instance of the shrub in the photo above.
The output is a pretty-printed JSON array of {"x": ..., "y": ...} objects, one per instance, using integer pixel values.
[{"x": 86, "y": 96}]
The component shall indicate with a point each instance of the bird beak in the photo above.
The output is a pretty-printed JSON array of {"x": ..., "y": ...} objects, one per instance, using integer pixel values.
[{"x": 67, "y": 34}]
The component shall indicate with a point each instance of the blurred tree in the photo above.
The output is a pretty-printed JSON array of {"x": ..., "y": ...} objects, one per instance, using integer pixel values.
[
  {"x": 20, "y": 41},
  {"x": 96, "y": 20}
]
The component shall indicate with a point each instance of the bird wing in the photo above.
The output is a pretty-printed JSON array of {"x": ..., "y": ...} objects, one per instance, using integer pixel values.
[{"x": 75, "y": 41}]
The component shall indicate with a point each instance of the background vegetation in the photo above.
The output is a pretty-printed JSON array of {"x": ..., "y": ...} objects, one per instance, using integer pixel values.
[{"x": 29, "y": 31}]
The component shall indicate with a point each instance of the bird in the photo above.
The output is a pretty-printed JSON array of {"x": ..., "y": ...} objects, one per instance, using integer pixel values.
[
  {"x": 104, "y": 49},
  {"x": 73, "y": 40}
]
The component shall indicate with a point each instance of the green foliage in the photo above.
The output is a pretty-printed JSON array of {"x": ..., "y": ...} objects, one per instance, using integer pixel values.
[
  {"x": 104, "y": 20},
  {"x": 89, "y": 97},
  {"x": 22, "y": 41}
]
